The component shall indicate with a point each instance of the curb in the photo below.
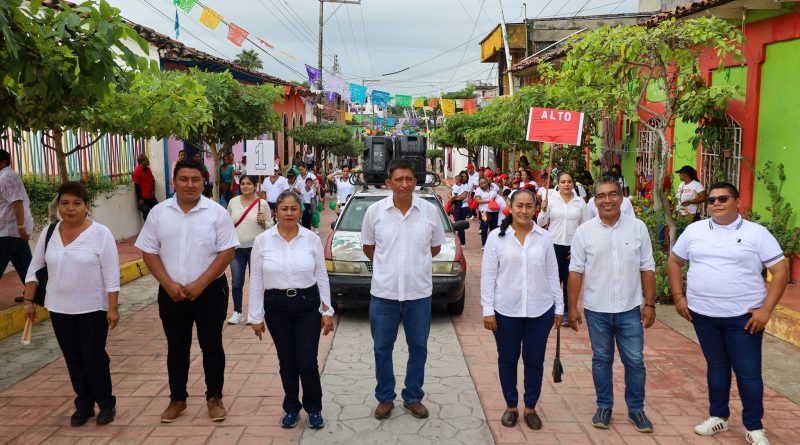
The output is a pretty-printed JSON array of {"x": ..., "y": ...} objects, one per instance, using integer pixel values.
[{"x": 12, "y": 320}]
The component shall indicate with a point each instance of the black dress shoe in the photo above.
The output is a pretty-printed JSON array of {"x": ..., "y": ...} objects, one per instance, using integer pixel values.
[
  {"x": 509, "y": 418},
  {"x": 79, "y": 417},
  {"x": 106, "y": 416},
  {"x": 533, "y": 421}
]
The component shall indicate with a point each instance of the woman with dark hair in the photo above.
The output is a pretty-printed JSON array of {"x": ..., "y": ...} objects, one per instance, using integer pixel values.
[
  {"x": 458, "y": 197},
  {"x": 484, "y": 195},
  {"x": 250, "y": 218},
  {"x": 82, "y": 291},
  {"x": 562, "y": 212},
  {"x": 226, "y": 179},
  {"x": 521, "y": 301},
  {"x": 526, "y": 178},
  {"x": 690, "y": 193},
  {"x": 289, "y": 291}
]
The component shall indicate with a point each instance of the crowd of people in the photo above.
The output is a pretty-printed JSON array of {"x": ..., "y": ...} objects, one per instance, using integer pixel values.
[{"x": 543, "y": 249}]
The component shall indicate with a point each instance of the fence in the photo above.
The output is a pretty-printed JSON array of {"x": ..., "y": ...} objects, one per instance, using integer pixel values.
[{"x": 112, "y": 157}]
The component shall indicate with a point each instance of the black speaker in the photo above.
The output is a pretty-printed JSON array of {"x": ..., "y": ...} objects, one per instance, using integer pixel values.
[
  {"x": 412, "y": 148},
  {"x": 378, "y": 152}
]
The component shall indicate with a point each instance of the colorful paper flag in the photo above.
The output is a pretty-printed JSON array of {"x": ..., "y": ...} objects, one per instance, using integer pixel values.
[
  {"x": 379, "y": 121},
  {"x": 313, "y": 75},
  {"x": 288, "y": 55},
  {"x": 210, "y": 18},
  {"x": 186, "y": 5},
  {"x": 448, "y": 107},
  {"x": 459, "y": 103},
  {"x": 358, "y": 93},
  {"x": 265, "y": 43},
  {"x": 390, "y": 122},
  {"x": 433, "y": 103},
  {"x": 359, "y": 119},
  {"x": 348, "y": 117},
  {"x": 177, "y": 27},
  {"x": 470, "y": 106},
  {"x": 330, "y": 96},
  {"x": 402, "y": 101},
  {"x": 380, "y": 98},
  {"x": 419, "y": 102},
  {"x": 237, "y": 34}
]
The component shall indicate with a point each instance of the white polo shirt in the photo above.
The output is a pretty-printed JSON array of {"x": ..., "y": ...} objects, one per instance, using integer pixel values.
[
  {"x": 611, "y": 259},
  {"x": 187, "y": 242},
  {"x": 725, "y": 263},
  {"x": 273, "y": 189},
  {"x": 402, "y": 261}
]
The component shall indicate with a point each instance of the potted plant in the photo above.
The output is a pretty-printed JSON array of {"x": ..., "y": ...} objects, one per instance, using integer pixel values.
[{"x": 780, "y": 212}]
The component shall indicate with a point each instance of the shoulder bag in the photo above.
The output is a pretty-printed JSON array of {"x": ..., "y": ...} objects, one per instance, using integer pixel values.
[{"x": 41, "y": 274}]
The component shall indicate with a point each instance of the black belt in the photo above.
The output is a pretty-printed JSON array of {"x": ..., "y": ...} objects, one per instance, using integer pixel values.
[{"x": 291, "y": 292}]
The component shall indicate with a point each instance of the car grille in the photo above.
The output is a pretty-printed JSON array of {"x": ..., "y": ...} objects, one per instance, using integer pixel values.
[{"x": 369, "y": 266}]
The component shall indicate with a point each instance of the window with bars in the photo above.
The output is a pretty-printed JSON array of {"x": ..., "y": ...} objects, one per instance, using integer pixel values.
[{"x": 722, "y": 160}]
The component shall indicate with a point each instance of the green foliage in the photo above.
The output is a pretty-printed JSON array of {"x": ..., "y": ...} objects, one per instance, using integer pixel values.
[
  {"x": 42, "y": 190},
  {"x": 466, "y": 93},
  {"x": 352, "y": 148},
  {"x": 322, "y": 136},
  {"x": 249, "y": 58},
  {"x": 780, "y": 210},
  {"x": 434, "y": 153}
]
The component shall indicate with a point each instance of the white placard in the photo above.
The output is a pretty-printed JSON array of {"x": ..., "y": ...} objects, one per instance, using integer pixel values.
[{"x": 260, "y": 157}]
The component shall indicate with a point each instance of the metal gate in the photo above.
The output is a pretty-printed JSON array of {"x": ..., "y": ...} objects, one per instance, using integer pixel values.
[
  {"x": 646, "y": 150},
  {"x": 722, "y": 161}
]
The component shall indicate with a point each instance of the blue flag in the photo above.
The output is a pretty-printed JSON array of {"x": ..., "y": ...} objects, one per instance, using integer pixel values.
[
  {"x": 380, "y": 98},
  {"x": 177, "y": 26},
  {"x": 358, "y": 93}
]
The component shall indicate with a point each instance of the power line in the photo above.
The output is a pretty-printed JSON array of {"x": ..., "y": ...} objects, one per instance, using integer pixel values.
[
  {"x": 475, "y": 25},
  {"x": 366, "y": 37},
  {"x": 172, "y": 20}
]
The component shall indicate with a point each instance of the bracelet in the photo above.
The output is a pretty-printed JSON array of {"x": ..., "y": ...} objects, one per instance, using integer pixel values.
[
  {"x": 650, "y": 305},
  {"x": 20, "y": 226}
]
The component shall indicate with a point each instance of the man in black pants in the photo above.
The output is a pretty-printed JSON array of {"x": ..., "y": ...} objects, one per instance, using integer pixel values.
[
  {"x": 16, "y": 222},
  {"x": 187, "y": 243}
]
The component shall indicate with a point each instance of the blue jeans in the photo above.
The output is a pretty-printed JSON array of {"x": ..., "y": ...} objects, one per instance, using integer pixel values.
[
  {"x": 384, "y": 321},
  {"x": 531, "y": 334},
  {"x": 626, "y": 328},
  {"x": 726, "y": 345},
  {"x": 241, "y": 259}
]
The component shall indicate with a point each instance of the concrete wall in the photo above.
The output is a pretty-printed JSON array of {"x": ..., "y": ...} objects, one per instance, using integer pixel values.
[{"x": 117, "y": 211}]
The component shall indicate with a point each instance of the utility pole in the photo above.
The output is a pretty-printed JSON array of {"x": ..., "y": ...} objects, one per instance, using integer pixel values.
[
  {"x": 319, "y": 52},
  {"x": 508, "y": 51}
]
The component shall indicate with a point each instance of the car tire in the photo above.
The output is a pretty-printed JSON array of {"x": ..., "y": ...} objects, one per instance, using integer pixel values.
[{"x": 457, "y": 308}]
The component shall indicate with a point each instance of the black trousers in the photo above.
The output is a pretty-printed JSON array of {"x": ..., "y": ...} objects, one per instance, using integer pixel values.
[
  {"x": 562, "y": 258},
  {"x": 460, "y": 213},
  {"x": 308, "y": 212},
  {"x": 208, "y": 312},
  {"x": 18, "y": 252},
  {"x": 148, "y": 204},
  {"x": 82, "y": 339},
  {"x": 294, "y": 324}
]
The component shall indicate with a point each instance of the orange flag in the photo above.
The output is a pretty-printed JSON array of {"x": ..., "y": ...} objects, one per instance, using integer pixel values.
[{"x": 470, "y": 106}]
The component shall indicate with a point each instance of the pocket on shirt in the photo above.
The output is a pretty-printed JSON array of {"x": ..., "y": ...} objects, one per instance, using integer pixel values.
[
  {"x": 205, "y": 234},
  {"x": 421, "y": 234},
  {"x": 631, "y": 252}
]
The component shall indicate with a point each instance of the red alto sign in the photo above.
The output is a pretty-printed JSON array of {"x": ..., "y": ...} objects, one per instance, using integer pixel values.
[{"x": 555, "y": 126}]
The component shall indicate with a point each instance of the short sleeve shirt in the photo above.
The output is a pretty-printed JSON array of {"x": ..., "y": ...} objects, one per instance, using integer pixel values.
[
  {"x": 725, "y": 263},
  {"x": 143, "y": 177},
  {"x": 687, "y": 192},
  {"x": 12, "y": 190}
]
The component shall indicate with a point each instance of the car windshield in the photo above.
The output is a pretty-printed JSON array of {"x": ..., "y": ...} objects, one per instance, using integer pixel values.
[{"x": 350, "y": 220}]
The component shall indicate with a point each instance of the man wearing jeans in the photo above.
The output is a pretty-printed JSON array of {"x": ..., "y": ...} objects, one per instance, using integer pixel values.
[
  {"x": 612, "y": 263},
  {"x": 728, "y": 304},
  {"x": 401, "y": 234}
]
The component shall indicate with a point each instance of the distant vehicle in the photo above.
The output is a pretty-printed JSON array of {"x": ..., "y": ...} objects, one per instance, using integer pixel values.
[{"x": 350, "y": 271}]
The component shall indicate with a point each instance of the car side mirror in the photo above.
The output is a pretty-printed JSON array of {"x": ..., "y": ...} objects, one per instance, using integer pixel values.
[
  {"x": 461, "y": 225},
  {"x": 333, "y": 225}
]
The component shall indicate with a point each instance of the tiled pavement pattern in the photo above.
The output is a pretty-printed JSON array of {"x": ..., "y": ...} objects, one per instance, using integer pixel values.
[{"x": 348, "y": 382}]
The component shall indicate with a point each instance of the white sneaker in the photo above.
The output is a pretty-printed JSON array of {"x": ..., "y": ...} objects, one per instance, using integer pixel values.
[
  {"x": 236, "y": 318},
  {"x": 757, "y": 437},
  {"x": 711, "y": 426}
]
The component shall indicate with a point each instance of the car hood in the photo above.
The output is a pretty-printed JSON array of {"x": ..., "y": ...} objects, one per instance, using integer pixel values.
[{"x": 346, "y": 246}]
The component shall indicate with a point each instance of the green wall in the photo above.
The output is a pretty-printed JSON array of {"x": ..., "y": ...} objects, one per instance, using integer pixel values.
[{"x": 779, "y": 122}]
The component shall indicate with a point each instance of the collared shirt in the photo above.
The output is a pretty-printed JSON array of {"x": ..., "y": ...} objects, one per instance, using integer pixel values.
[
  {"x": 307, "y": 195},
  {"x": 459, "y": 189},
  {"x": 687, "y": 192},
  {"x": 473, "y": 180},
  {"x": 273, "y": 189},
  {"x": 725, "y": 263},
  {"x": 344, "y": 189},
  {"x": 485, "y": 194},
  {"x": 626, "y": 207},
  {"x": 564, "y": 218},
  {"x": 12, "y": 190},
  {"x": 520, "y": 280},
  {"x": 402, "y": 258},
  {"x": 80, "y": 274},
  {"x": 143, "y": 177},
  {"x": 611, "y": 259},
  {"x": 187, "y": 242},
  {"x": 279, "y": 264}
]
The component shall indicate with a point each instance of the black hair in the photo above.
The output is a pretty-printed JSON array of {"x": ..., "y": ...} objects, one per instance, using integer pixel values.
[
  {"x": 562, "y": 173},
  {"x": 187, "y": 164},
  {"x": 617, "y": 166},
  {"x": 288, "y": 194},
  {"x": 73, "y": 188},
  {"x": 608, "y": 178},
  {"x": 141, "y": 157},
  {"x": 509, "y": 219},
  {"x": 506, "y": 192},
  {"x": 725, "y": 185},
  {"x": 398, "y": 164},
  {"x": 5, "y": 156},
  {"x": 251, "y": 178}
]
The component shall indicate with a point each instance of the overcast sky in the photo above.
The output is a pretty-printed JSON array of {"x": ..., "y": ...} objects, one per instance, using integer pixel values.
[{"x": 430, "y": 36}]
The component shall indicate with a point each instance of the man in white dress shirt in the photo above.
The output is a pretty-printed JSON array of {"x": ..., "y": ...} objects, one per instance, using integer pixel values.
[
  {"x": 16, "y": 222},
  {"x": 400, "y": 235},
  {"x": 187, "y": 243},
  {"x": 612, "y": 264}
]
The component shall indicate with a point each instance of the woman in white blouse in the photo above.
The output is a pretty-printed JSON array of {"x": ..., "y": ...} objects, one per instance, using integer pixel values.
[
  {"x": 251, "y": 218},
  {"x": 82, "y": 291},
  {"x": 521, "y": 301},
  {"x": 564, "y": 211},
  {"x": 289, "y": 291}
]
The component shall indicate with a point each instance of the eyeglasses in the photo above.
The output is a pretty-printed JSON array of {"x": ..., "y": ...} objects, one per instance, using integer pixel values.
[
  {"x": 604, "y": 196},
  {"x": 722, "y": 199}
]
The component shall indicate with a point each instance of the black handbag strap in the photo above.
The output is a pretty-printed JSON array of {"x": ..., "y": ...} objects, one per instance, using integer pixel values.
[
  {"x": 558, "y": 342},
  {"x": 50, "y": 229}
]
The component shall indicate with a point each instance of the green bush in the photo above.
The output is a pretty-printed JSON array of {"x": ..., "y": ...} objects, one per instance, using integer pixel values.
[{"x": 779, "y": 210}]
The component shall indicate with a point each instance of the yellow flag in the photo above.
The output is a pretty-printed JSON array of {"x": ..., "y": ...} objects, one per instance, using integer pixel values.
[
  {"x": 419, "y": 102},
  {"x": 448, "y": 106},
  {"x": 348, "y": 117},
  {"x": 210, "y": 18}
]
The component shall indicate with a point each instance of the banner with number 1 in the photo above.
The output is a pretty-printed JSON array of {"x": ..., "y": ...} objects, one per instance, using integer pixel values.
[{"x": 260, "y": 157}]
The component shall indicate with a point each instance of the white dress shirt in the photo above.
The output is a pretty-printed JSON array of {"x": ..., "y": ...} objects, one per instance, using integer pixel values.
[
  {"x": 79, "y": 275},
  {"x": 187, "y": 242},
  {"x": 459, "y": 189},
  {"x": 725, "y": 263},
  {"x": 626, "y": 207},
  {"x": 344, "y": 189},
  {"x": 273, "y": 189},
  {"x": 520, "y": 280},
  {"x": 402, "y": 258},
  {"x": 485, "y": 194},
  {"x": 564, "y": 218},
  {"x": 611, "y": 259},
  {"x": 11, "y": 190},
  {"x": 279, "y": 264}
]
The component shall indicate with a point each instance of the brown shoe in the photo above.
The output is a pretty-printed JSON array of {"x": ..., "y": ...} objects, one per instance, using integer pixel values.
[
  {"x": 417, "y": 409},
  {"x": 384, "y": 409},
  {"x": 533, "y": 421},
  {"x": 175, "y": 408},
  {"x": 509, "y": 418},
  {"x": 216, "y": 411}
]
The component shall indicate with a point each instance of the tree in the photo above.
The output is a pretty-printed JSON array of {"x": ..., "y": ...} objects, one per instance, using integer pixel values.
[
  {"x": 326, "y": 138},
  {"x": 454, "y": 134},
  {"x": 614, "y": 67},
  {"x": 238, "y": 112},
  {"x": 249, "y": 58},
  {"x": 466, "y": 93}
]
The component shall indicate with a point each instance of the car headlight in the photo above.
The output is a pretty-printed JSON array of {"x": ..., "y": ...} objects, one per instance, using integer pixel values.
[
  {"x": 349, "y": 267},
  {"x": 446, "y": 267}
]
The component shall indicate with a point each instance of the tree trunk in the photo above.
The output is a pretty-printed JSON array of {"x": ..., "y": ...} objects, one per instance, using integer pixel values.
[
  {"x": 61, "y": 159},
  {"x": 216, "y": 155},
  {"x": 660, "y": 200}
]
